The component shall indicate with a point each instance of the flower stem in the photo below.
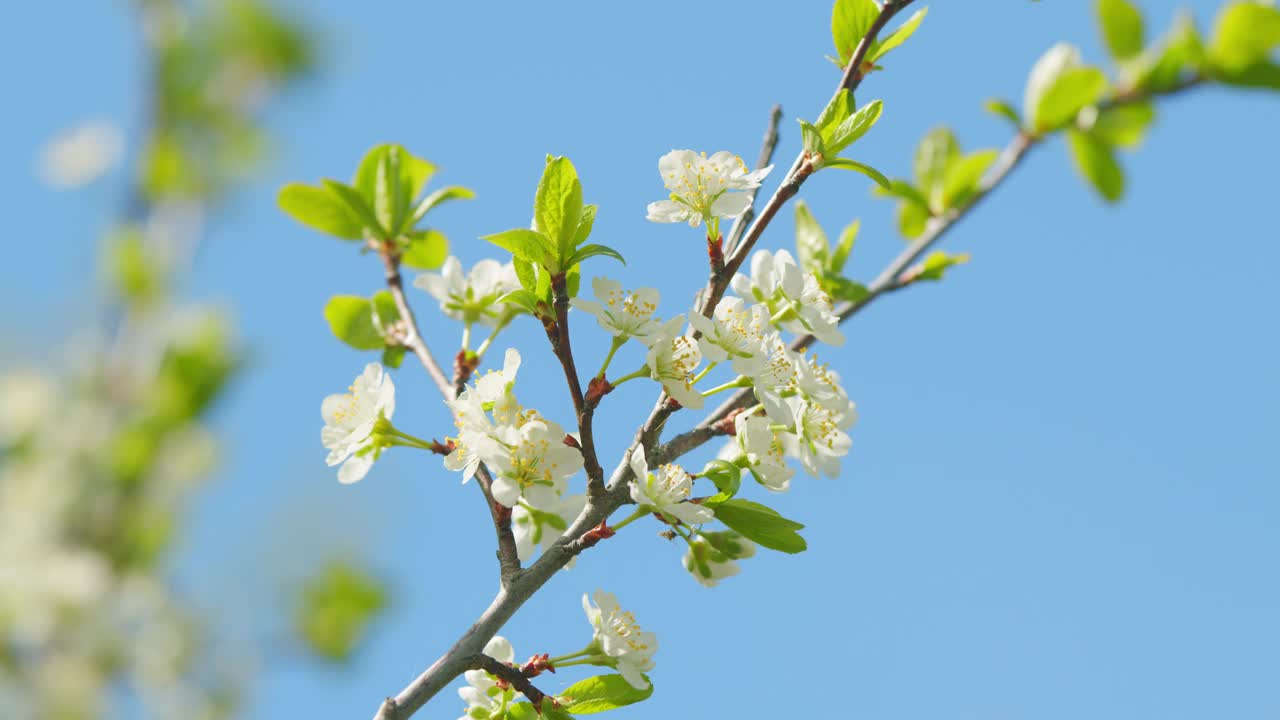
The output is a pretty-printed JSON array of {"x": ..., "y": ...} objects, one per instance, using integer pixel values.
[
  {"x": 489, "y": 340},
  {"x": 639, "y": 513},
  {"x": 406, "y": 440},
  {"x": 737, "y": 382},
  {"x": 466, "y": 336},
  {"x": 704, "y": 372},
  {"x": 642, "y": 372},
  {"x": 562, "y": 658},
  {"x": 613, "y": 348},
  {"x": 591, "y": 660}
]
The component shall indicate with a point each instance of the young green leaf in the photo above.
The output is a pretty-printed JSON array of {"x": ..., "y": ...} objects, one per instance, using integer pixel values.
[
  {"x": 852, "y": 127},
  {"x": 590, "y": 251},
  {"x": 393, "y": 356},
  {"x": 1003, "y": 109},
  {"x": 526, "y": 300},
  {"x": 912, "y": 219},
  {"x": 356, "y": 204},
  {"x": 444, "y": 194},
  {"x": 1124, "y": 125},
  {"x": 844, "y": 246},
  {"x": 847, "y": 164},
  {"x": 1071, "y": 92},
  {"x": 812, "y": 247},
  {"x": 935, "y": 265},
  {"x": 727, "y": 478},
  {"x": 321, "y": 209},
  {"x": 385, "y": 312},
  {"x": 850, "y": 21},
  {"x": 557, "y": 207},
  {"x": 1096, "y": 161},
  {"x": 1244, "y": 34},
  {"x": 600, "y": 693},
  {"x": 963, "y": 176},
  {"x": 844, "y": 290},
  {"x": 527, "y": 245},
  {"x": 934, "y": 156},
  {"x": 842, "y": 105},
  {"x": 881, "y": 47},
  {"x": 587, "y": 222},
  {"x": 387, "y": 192},
  {"x": 812, "y": 139},
  {"x": 762, "y": 524},
  {"x": 427, "y": 249},
  {"x": 1121, "y": 23},
  {"x": 351, "y": 319},
  {"x": 1181, "y": 53}
]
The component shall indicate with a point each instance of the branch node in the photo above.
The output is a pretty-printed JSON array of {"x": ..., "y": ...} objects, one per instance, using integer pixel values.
[
  {"x": 597, "y": 388},
  {"x": 596, "y": 534}
]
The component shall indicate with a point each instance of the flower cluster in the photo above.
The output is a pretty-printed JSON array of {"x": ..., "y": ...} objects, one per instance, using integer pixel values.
[
  {"x": 471, "y": 297},
  {"x": 702, "y": 188},
  {"x": 525, "y": 452},
  {"x": 795, "y": 299},
  {"x": 711, "y": 557},
  {"x": 666, "y": 491}
]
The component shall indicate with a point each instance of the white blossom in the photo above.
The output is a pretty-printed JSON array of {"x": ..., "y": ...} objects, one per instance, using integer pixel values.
[
  {"x": 349, "y": 420},
  {"x": 709, "y": 565},
  {"x": 619, "y": 635},
  {"x": 704, "y": 187},
  {"x": 81, "y": 155},
  {"x": 666, "y": 490},
  {"x": 671, "y": 359},
  {"x": 820, "y": 439},
  {"x": 533, "y": 463},
  {"x": 765, "y": 449},
  {"x": 482, "y": 695},
  {"x": 777, "y": 380},
  {"x": 795, "y": 298},
  {"x": 737, "y": 332},
  {"x": 471, "y": 297},
  {"x": 622, "y": 313}
]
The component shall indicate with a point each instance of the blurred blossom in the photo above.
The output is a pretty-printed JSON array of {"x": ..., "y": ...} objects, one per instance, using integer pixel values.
[{"x": 81, "y": 155}]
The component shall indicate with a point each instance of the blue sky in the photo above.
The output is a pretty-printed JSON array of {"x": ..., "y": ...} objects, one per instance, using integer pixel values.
[{"x": 1062, "y": 496}]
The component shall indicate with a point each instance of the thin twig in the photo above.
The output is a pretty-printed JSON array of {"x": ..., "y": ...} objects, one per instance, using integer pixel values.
[
  {"x": 508, "y": 558},
  {"x": 767, "y": 146},
  {"x": 558, "y": 334}
]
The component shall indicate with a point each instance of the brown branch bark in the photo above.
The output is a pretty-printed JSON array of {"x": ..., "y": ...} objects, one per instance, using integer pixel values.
[{"x": 558, "y": 334}]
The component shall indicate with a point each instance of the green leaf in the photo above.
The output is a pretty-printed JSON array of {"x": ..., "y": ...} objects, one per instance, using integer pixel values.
[
  {"x": 356, "y": 205},
  {"x": 590, "y": 251},
  {"x": 812, "y": 247},
  {"x": 936, "y": 265},
  {"x": 882, "y": 47},
  {"x": 1073, "y": 90},
  {"x": 762, "y": 524},
  {"x": 414, "y": 172},
  {"x": 526, "y": 273},
  {"x": 387, "y": 192},
  {"x": 366, "y": 177},
  {"x": 600, "y": 693},
  {"x": 854, "y": 165},
  {"x": 912, "y": 219},
  {"x": 334, "y": 609},
  {"x": 321, "y": 209},
  {"x": 526, "y": 300},
  {"x": 1181, "y": 51},
  {"x": 1123, "y": 125},
  {"x": 934, "y": 156},
  {"x": 528, "y": 245},
  {"x": 850, "y": 21},
  {"x": 584, "y": 226},
  {"x": 844, "y": 246},
  {"x": 904, "y": 190},
  {"x": 727, "y": 478},
  {"x": 1244, "y": 34},
  {"x": 385, "y": 311},
  {"x": 1121, "y": 28},
  {"x": 525, "y": 711},
  {"x": 962, "y": 178},
  {"x": 1096, "y": 161},
  {"x": 845, "y": 290},
  {"x": 351, "y": 320},
  {"x": 557, "y": 207},
  {"x": 427, "y": 249},
  {"x": 444, "y": 194},
  {"x": 842, "y": 105},
  {"x": 995, "y": 106},
  {"x": 853, "y": 127},
  {"x": 812, "y": 138},
  {"x": 393, "y": 356}
]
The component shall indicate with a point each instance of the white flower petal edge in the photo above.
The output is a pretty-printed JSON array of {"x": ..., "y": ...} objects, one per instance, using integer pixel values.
[{"x": 666, "y": 491}]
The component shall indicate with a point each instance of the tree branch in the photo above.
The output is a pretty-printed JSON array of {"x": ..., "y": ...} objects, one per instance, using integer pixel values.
[
  {"x": 558, "y": 334},
  {"x": 767, "y": 146}
]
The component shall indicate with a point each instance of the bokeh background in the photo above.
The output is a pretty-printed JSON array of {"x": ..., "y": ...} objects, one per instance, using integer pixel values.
[{"x": 1062, "y": 496}]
